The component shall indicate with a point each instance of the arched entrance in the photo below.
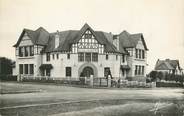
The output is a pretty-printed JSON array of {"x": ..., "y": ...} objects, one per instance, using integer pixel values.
[{"x": 87, "y": 71}]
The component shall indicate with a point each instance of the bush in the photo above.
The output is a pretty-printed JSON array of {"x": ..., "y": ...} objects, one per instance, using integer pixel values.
[{"x": 8, "y": 78}]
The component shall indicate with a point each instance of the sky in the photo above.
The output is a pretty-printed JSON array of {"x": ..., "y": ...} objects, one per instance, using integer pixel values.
[{"x": 160, "y": 21}]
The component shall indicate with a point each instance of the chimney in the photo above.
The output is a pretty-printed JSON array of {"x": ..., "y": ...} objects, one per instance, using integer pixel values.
[
  {"x": 57, "y": 39},
  {"x": 116, "y": 41}
]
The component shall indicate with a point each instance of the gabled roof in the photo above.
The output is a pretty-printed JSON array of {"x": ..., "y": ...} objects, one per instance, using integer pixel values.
[
  {"x": 167, "y": 64},
  {"x": 128, "y": 40},
  {"x": 38, "y": 37},
  {"x": 67, "y": 38}
]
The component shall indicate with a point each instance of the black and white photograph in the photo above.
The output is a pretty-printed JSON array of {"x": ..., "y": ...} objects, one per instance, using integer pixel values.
[{"x": 91, "y": 57}]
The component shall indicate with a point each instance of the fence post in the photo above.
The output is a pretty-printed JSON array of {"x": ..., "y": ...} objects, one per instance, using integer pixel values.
[
  {"x": 100, "y": 81},
  {"x": 109, "y": 81},
  {"x": 18, "y": 78},
  {"x": 91, "y": 80},
  {"x": 85, "y": 80}
]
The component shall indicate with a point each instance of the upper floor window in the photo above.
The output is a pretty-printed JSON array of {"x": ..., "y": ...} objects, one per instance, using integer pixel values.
[
  {"x": 53, "y": 56},
  {"x": 57, "y": 55},
  {"x": 68, "y": 56},
  {"x": 26, "y": 51},
  {"x": 95, "y": 57},
  {"x": 88, "y": 57},
  {"x": 123, "y": 58},
  {"x": 136, "y": 53},
  {"x": 21, "y": 51},
  {"x": 107, "y": 57},
  {"x": 31, "y": 48},
  {"x": 139, "y": 53},
  {"x": 81, "y": 57},
  {"x": 116, "y": 57},
  {"x": 143, "y": 54},
  {"x": 47, "y": 56}
]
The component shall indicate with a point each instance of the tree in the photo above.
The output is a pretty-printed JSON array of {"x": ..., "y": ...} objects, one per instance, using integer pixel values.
[
  {"x": 5, "y": 66},
  {"x": 153, "y": 75},
  {"x": 160, "y": 75}
]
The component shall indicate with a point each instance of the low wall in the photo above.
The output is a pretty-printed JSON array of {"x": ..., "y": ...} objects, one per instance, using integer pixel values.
[{"x": 168, "y": 84}]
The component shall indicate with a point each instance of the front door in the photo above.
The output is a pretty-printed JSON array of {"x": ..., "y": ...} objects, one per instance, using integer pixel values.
[{"x": 87, "y": 71}]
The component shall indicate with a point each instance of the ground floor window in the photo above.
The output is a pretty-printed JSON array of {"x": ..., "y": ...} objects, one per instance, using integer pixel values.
[
  {"x": 139, "y": 70},
  {"x": 68, "y": 71},
  {"x": 31, "y": 68},
  {"x": 106, "y": 71},
  {"x": 123, "y": 72},
  {"x": 21, "y": 69},
  {"x": 26, "y": 69},
  {"x": 47, "y": 72}
]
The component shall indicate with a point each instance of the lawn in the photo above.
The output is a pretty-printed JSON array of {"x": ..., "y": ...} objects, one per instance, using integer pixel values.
[{"x": 45, "y": 99}]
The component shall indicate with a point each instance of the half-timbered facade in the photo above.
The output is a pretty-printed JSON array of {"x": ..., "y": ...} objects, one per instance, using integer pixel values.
[{"x": 81, "y": 53}]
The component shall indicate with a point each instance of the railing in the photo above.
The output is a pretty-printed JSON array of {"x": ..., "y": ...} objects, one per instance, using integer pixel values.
[
  {"x": 125, "y": 83},
  {"x": 87, "y": 81}
]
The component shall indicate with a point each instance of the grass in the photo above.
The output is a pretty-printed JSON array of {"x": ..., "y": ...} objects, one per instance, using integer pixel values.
[
  {"x": 19, "y": 88},
  {"x": 133, "y": 109},
  {"x": 97, "y": 108},
  {"x": 103, "y": 102}
]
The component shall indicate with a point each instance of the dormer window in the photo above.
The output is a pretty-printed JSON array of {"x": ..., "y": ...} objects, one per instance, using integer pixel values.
[{"x": 57, "y": 40}]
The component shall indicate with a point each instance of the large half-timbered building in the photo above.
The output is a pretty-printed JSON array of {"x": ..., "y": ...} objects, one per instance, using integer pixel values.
[{"x": 81, "y": 53}]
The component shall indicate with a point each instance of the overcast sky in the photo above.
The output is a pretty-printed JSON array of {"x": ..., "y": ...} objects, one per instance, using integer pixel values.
[{"x": 161, "y": 21}]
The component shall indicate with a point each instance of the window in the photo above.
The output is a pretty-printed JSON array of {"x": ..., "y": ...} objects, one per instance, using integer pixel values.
[
  {"x": 95, "y": 57},
  {"x": 53, "y": 56},
  {"x": 47, "y": 72},
  {"x": 142, "y": 70},
  {"x": 136, "y": 69},
  {"x": 140, "y": 51},
  {"x": 57, "y": 56},
  {"x": 88, "y": 57},
  {"x": 116, "y": 57},
  {"x": 20, "y": 68},
  {"x": 123, "y": 58},
  {"x": 81, "y": 57},
  {"x": 47, "y": 56},
  {"x": 106, "y": 71},
  {"x": 21, "y": 51},
  {"x": 136, "y": 53},
  {"x": 143, "y": 54},
  {"x": 31, "y": 49},
  {"x": 123, "y": 72},
  {"x": 31, "y": 68},
  {"x": 68, "y": 56},
  {"x": 68, "y": 72},
  {"x": 107, "y": 57},
  {"x": 26, "y": 68},
  {"x": 26, "y": 51}
]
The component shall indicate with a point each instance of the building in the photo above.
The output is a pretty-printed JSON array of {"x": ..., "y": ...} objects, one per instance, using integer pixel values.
[
  {"x": 169, "y": 66},
  {"x": 81, "y": 53}
]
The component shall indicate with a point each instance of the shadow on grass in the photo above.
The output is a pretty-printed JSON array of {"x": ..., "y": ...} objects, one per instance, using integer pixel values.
[{"x": 98, "y": 108}]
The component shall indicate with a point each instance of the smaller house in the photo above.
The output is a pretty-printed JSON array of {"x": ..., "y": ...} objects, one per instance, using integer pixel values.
[{"x": 169, "y": 66}]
